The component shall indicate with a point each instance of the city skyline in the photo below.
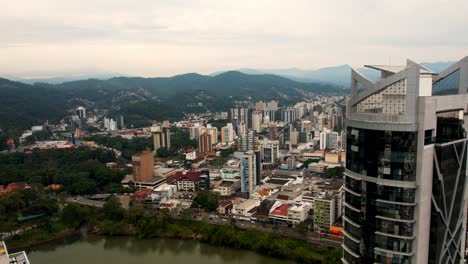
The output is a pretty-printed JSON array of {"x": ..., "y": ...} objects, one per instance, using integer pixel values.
[{"x": 154, "y": 38}]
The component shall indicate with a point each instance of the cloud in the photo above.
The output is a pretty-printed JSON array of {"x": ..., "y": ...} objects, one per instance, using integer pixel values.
[{"x": 156, "y": 37}]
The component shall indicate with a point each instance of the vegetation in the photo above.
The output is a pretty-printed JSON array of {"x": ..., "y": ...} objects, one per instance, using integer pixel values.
[
  {"x": 206, "y": 200},
  {"x": 128, "y": 147},
  {"x": 336, "y": 172},
  {"x": 80, "y": 171},
  {"x": 24, "y": 203}
]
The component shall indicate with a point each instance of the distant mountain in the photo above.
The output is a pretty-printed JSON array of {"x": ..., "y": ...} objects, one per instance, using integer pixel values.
[
  {"x": 70, "y": 78},
  {"x": 142, "y": 99},
  {"x": 338, "y": 75}
]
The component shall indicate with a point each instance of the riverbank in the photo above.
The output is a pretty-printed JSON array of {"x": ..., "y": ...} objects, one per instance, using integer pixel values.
[
  {"x": 40, "y": 235},
  {"x": 228, "y": 236}
]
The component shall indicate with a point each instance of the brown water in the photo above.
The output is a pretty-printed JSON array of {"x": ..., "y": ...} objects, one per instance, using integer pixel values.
[{"x": 120, "y": 250}]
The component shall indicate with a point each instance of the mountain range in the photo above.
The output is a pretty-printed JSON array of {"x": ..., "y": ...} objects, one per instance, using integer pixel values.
[
  {"x": 141, "y": 100},
  {"x": 337, "y": 75}
]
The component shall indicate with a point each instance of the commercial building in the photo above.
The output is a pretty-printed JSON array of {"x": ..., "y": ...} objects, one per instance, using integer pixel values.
[
  {"x": 269, "y": 150},
  {"x": 143, "y": 166},
  {"x": 406, "y": 155}
]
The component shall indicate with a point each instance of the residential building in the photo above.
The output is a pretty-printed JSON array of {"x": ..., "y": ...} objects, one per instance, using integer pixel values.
[
  {"x": 333, "y": 139},
  {"x": 248, "y": 171},
  {"x": 161, "y": 136},
  {"x": 227, "y": 133},
  {"x": 327, "y": 209},
  {"x": 257, "y": 121},
  {"x": 204, "y": 143},
  {"x": 288, "y": 115},
  {"x": 406, "y": 157},
  {"x": 228, "y": 187},
  {"x": 297, "y": 214},
  {"x": 248, "y": 142},
  {"x": 190, "y": 181},
  {"x": 324, "y": 140}
]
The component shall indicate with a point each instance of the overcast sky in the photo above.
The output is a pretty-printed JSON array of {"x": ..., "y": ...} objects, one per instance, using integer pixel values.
[{"x": 40, "y": 38}]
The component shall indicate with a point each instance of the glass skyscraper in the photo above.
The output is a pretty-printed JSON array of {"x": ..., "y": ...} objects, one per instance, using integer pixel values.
[{"x": 406, "y": 155}]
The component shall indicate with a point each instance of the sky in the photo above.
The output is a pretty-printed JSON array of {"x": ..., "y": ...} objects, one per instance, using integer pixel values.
[{"x": 47, "y": 38}]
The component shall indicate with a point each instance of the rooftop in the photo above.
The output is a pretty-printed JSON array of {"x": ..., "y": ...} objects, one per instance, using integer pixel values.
[
  {"x": 191, "y": 175},
  {"x": 281, "y": 210}
]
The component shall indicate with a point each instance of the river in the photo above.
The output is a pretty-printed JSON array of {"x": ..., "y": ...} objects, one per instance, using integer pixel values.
[{"x": 123, "y": 250}]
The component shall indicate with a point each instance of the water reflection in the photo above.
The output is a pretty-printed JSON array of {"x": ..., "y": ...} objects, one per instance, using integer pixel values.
[{"x": 118, "y": 250}]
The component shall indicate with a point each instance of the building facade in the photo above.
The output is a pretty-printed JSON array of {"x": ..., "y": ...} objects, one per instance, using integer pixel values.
[{"x": 406, "y": 156}]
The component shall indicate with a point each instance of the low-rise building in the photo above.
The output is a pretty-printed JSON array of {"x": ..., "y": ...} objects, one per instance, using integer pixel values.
[
  {"x": 228, "y": 187},
  {"x": 297, "y": 214},
  {"x": 241, "y": 210},
  {"x": 279, "y": 215},
  {"x": 225, "y": 207},
  {"x": 190, "y": 181},
  {"x": 13, "y": 258}
]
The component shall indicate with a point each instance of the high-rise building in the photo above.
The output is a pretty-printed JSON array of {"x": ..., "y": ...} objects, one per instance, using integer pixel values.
[
  {"x": 306, "y": 126},
  {"x": 248, "y": 171},
  {"x": 227, "y": 133},
  {"x": 260, "y": 106},
  {"x": 294, "y": 137},
  {"x": 406, "y": 157},
  {"x": 257, "y": 121},
  {"x": 248, "y": 142},
  {"x": 161, "y": 136},
  {"x": 204, "y": 143},
  {"x": 143, "y": 166},
  {"x": 324, "y": 139},
  {"x": 333, "y": 139},
  {"x": 288, "y": 115},
  {"x": 213, "y": 131},
  {"x": 120, "y": 121},
  {"x": 81, "y": 112},
  {"x": 269, "y": 150}
]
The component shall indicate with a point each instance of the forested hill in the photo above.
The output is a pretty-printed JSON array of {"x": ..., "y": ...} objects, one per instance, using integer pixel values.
[{"x": 138, "y": 99}]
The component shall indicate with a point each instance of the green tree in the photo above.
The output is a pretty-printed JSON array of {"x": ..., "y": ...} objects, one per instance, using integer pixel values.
[
  {"x": 113, "y": 210},
  {"x": 207, "y": 200}
]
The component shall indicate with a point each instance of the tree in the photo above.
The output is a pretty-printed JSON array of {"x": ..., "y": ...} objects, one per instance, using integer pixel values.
[
  {"x": 112, "y": 209},
  {"x": 206, "y": 199},
  {"x": 163, "y": 152}
]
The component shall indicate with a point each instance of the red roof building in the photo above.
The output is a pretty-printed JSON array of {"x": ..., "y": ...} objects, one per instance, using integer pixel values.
[
  {"x": 17, "y": 186},
  {"x": 279, "y": 216}
]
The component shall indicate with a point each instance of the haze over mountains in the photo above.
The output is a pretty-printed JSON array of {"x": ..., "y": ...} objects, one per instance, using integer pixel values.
[{"x": 337, "y": 75}]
